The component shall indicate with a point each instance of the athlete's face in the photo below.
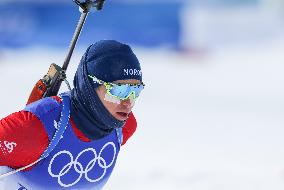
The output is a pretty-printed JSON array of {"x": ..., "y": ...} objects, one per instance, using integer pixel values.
[{"x": 119, "y": 109}]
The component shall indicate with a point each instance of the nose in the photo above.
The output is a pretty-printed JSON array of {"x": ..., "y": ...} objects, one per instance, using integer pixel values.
[{"x": 127, "y": 103}]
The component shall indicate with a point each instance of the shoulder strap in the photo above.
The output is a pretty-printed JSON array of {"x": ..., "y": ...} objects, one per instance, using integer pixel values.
[{"x": 62, "y": 125}]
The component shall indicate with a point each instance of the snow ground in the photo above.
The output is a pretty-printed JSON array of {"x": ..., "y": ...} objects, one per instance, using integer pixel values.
[{"x": 213, "y": 122}]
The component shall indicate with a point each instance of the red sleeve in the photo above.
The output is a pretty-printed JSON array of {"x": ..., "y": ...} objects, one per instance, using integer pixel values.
[
  {"x": 129, "y": 128},
  {"x": 22, "y": 139}
]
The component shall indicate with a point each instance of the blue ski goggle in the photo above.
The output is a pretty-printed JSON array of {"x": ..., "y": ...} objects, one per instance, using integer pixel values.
[{"x": 120, "y": 91}]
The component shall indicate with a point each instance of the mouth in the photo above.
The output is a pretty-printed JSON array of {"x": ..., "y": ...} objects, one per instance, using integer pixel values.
[{"x": 122, "y": 115}]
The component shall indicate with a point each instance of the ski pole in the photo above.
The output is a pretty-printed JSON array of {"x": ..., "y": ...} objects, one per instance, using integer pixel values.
[{"x": 50, "y": 84}]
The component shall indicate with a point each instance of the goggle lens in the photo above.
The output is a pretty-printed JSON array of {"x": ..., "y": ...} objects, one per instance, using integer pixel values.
[
  {"x": 124, "y": 91},
  {"x": 121, "y": 91}
]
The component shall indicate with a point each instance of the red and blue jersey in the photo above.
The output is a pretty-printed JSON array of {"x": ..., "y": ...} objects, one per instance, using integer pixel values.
[{"x": 24, "y": 136}]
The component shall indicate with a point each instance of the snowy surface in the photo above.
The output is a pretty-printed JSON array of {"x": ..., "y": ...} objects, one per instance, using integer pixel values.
[{"x": 205, "y": 122}]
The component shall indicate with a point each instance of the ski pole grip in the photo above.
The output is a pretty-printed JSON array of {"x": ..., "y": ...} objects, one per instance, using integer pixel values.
[
  {"x": 100, "y": 4},
  {"x": 88, "y": 4}
]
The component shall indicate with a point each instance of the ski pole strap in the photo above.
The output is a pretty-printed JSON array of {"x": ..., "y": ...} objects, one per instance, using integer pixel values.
[{"x": 62, "y": 125}]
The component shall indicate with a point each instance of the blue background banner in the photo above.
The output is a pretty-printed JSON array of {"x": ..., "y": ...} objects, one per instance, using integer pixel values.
[{"x": 52, "y": 24}]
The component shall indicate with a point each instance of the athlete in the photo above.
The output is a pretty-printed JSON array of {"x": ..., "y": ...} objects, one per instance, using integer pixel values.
[{"x": 72, "y": 141}]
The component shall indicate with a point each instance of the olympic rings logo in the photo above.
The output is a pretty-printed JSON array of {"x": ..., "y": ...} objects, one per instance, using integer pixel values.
[{"x": 79, "y": 167}]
